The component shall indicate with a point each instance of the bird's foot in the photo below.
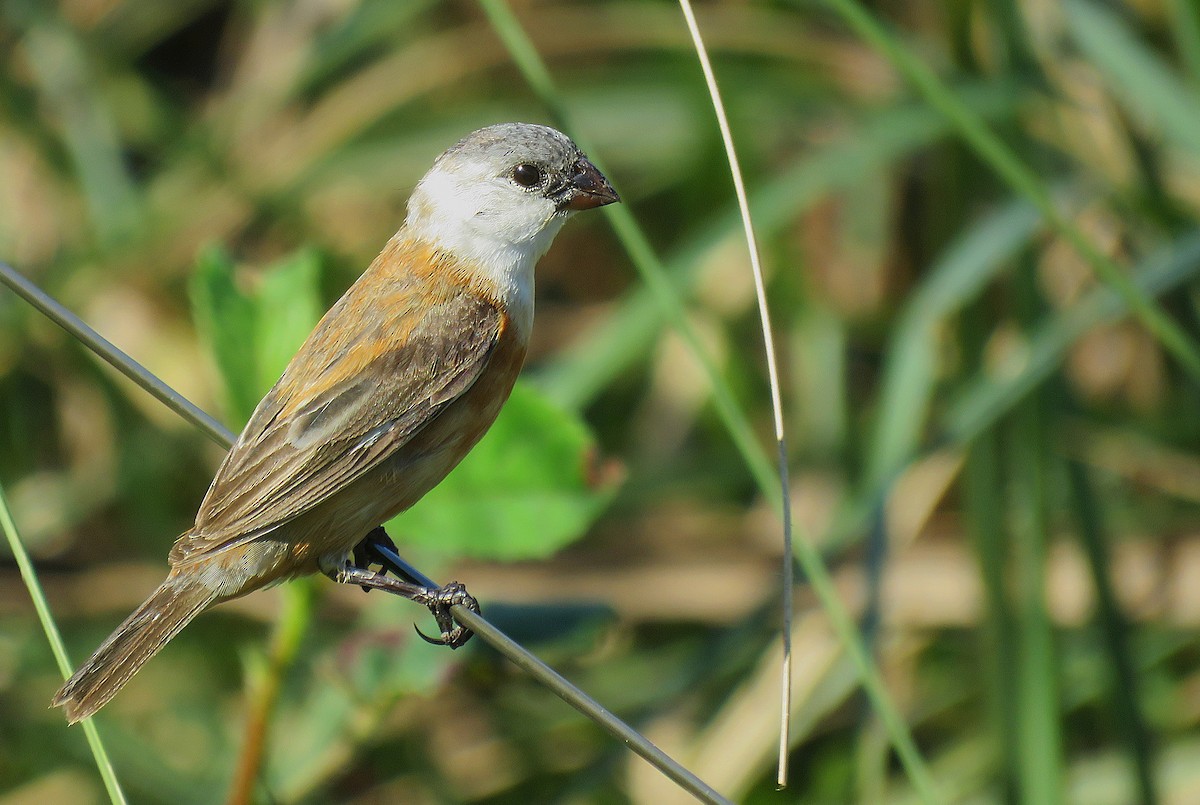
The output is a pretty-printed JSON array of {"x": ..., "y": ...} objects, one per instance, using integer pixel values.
[{"x": 440, "y": 601}]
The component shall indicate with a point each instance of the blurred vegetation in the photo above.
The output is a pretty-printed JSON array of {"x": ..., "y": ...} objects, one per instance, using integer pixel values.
[{"x": 998, "y": 463}]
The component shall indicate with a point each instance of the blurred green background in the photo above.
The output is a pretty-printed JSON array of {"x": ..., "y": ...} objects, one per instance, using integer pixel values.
[{"x": 999, "y": 466}]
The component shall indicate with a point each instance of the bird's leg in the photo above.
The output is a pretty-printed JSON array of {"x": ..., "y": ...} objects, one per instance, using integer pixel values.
[
  {"x": 439, "y": 600},
  {"x": 377, "y": 548},
  {"x": 367, "y": 553}
]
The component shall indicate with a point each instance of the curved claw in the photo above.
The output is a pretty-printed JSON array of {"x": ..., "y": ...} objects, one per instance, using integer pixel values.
[
  {"x": 436, "y": 641},
  {"x": 454, "y": 639}
]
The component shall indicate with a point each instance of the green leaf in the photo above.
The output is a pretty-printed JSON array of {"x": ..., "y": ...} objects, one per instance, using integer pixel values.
[
  {"x": 253, "y": 336},
  {"x": 288, "y": 306},
  {"x": 523, "y": 492},
  {"x": 226, "y": 319}
]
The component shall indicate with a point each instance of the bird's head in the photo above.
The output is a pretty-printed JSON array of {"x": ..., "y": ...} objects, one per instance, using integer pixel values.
[{"x": 504, "y": 191}]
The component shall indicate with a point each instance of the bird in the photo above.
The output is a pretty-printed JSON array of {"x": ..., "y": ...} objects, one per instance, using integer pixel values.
[{"x": 397, "y": 382}]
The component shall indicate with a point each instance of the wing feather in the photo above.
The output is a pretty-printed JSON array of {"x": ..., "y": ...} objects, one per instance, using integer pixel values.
[{"x": 372, "y": 375}]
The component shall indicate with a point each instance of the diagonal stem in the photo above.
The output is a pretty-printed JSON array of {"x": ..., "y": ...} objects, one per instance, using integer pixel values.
[
  {"x": 115, "y": 794},
  {"x": 513, "y": 651},
  {"x": 530, "y": 62},
  {"x": 760, "y": 289}
]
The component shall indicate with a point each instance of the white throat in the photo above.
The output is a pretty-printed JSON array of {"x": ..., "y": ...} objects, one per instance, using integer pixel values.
[{"x": 493, "y": 226}]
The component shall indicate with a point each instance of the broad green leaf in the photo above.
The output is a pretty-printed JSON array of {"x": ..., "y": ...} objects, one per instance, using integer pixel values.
[
  {"x": 523, "y": 492},
  {"x": 225, "y": 318},
  {"x": 254, "y": 335},
  {"x": 288, "y": 305}
]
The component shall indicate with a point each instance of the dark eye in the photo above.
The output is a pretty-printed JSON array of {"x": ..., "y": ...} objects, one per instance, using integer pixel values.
[{"x": 527, "y": 175}]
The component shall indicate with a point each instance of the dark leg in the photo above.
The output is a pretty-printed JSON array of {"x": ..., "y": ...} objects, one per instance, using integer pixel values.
[
  {"x": 439, "y": 601},
  {"x": 373, "y": 550}
]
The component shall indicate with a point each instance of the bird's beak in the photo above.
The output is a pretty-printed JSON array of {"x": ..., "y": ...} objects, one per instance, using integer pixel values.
[{"x": 588, "y": 189}]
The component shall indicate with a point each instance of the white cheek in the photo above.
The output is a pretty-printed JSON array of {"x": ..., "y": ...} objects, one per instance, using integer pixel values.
[{"x": 501, "y": 230}]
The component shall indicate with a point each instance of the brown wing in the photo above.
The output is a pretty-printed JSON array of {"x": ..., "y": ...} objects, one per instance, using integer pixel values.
[{"x": 378, "y": 368}]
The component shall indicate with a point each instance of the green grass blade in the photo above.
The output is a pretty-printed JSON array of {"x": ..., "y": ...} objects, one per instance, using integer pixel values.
[
  {"x": 1134, "y": 74},
  {"x": 1027, "y": 429},
  {"x": 991, "y": 394},
  {"x": 362, "y": 28},
  {"x": 1039, "y": 736},
  {"x": 582, "y": 371},
  {"x": 1115, "y": 626},
  {"x": 1185, "y": 15},
  {"x": 984, "y": 509},
  {"x": 634, "y": 240},
  {"x": 1020, "y": 177},
  {"x": 38, "y": 597},
  {"x": 958, "y": 277}
]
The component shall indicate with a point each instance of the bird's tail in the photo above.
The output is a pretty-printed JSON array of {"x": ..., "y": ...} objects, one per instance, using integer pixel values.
[{"x": 135, "y": 641}]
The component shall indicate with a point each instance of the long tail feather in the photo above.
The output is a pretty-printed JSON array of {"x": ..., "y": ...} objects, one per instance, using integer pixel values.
[{"x": 134, "y": 642}]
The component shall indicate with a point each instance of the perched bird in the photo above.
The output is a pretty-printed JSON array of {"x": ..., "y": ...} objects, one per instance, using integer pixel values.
[{"x": 397, "y": 382}]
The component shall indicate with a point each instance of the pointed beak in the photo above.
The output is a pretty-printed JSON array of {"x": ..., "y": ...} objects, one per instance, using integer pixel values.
[{"x": 588, "y": 189}]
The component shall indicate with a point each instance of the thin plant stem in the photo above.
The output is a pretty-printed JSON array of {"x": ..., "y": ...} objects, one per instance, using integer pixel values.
[
  {"x": 1115, "y": 627},
  {"x": 38, "y": 596},
  {"x": 760, "y": 290},
  {"x": 510, "y": 649},
  {"x": 1039, "y": 739},
  {"x": 266, "y": 684},
  {"x": 529, "y": 60}
]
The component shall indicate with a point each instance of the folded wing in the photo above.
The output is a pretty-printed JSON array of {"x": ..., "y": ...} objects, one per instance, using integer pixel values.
[{"x": 371, "y": 376}]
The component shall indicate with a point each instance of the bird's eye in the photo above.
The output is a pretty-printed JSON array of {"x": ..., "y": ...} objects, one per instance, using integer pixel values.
[{"x": 527, "y": 175}]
